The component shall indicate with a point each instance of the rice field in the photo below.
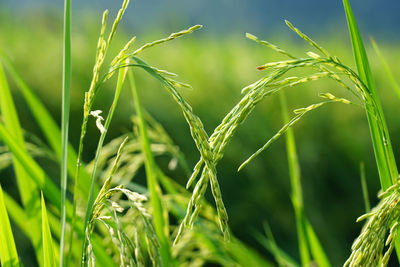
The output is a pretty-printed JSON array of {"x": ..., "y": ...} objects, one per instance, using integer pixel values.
[{"x": 174, "y": 149}]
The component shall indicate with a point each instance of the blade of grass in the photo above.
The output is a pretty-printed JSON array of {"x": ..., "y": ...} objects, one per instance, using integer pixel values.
[
  {"x": 380, "y": 137},
  {"x": 18, "y": 215},
  {"x": 50, "y": 129},
  {"x": 152, "y": 183},
  {"x": 35, "y": 172},
  {"x": 49, "y": 189},
  {"x": 308, "y": 241},
  {"x": 316, "y": 248},
  {"x": 297, "y": 198},
  {"x": 385, "y": 65},
  {"x": 66, "y": 86},
  {"x": 49, "y": 259},
  {"x": 364, "y": 188},
  {"x": 269, "y": 243},
  {"x": 27, "y": 188},
  {"x": 8, "y": 251},
  {"x": 384, "y": 156},
  {"x": 246, "y": 256},
  {"x": 48, "y": 126}
]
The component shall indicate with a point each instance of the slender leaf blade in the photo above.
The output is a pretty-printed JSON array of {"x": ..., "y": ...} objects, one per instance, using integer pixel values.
[
  {"x": 8, "y": 251},
  {"x": 66, "y": 85},
  {"x": 121, "y": 79},
  {"x": 48, "y": 126},
  {"x": 380, "y": 137},
  {"x": 282, "y": 258},
  {"x": 49, "y": 259},
  {"x": 316, "y": 248},
  {"x": 384, "y": 156},
  {"x": 308, "y": 240},
  {"x": 27, "y": 188},
  {"x": 297, "y": 198},
  {"x": 35, "y": 172},
  {"x": 17, "y": 214},
  {"x": 151, "y": 173}
]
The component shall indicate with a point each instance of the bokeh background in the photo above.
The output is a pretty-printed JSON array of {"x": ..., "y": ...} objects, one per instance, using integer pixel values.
[{"x": 218, "y": 61}]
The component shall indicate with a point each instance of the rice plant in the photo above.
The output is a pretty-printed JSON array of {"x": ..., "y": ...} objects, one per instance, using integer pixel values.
[{"x": 104, "y": 217}]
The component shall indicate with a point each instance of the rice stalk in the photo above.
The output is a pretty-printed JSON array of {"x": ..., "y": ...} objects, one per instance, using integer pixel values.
[
  {"x": 101, "y": 51},
  {"x": 329, "y": 66},
  {"x": 161, "y": 225},
  {"x": 66, "y": 87},
  {"x": 121, "y": 79},
  {"x": 385, "y": 160},
  {"x": 295, "y": 184},
  {"x": 384, "y": 156},
  {"x": 120, "y": 61}
]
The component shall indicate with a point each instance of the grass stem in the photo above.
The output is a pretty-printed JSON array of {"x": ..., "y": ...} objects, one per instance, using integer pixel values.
[
  {"x": 66, "y": 85},
  {"x": 152, "y": 183}
]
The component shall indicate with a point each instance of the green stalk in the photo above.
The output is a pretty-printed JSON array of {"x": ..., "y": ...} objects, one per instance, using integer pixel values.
[
  {"x": 296, "y": 196},
  {"x": 66, "y": 85},
  {"x": 121, "y": 79},
  {"x": 308, "y": 240},
  {"x": 384, "y": 156},
  {"x": 152, "y": 183}
]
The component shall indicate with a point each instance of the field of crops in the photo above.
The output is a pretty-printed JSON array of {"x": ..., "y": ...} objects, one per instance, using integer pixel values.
[{"x": 196, "y": 149}]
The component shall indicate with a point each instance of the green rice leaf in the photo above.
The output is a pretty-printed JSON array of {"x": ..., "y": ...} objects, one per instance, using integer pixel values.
[
  {"x": 35, "y": 172},
  {"x": 19, "y": 217},
  {"x": 308, "y": 240},
  {"x": 384, "y": 156},
  {"x": 269, "y": 243},
  {"x": 297, "y": 195},
  {"x": 49, "y": 259},
  {"x": 161, "y": 226},
  {"x": 380, "y": 137},
  {"x": 103, "y": 130},
  {"x": 27, "y": 188},
  {"x": 8, "y": 252},
  {"x": 48, "y": 126},
  {"x": 246, "y": 256},
  {"x": 316, "y": 248}
]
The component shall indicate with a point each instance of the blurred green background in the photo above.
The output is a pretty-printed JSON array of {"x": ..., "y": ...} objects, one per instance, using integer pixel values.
[{"x": 218, "y": 61}]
